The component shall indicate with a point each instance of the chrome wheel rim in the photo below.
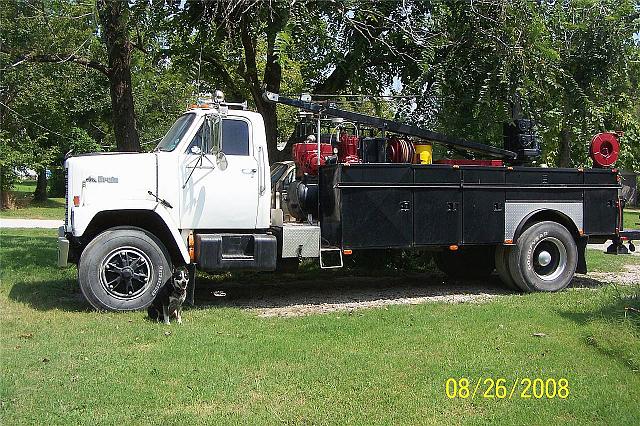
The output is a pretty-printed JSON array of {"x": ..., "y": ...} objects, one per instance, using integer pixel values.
[
  {"x": 549, "y": 258},
  {"x": 125, "y": 273}
]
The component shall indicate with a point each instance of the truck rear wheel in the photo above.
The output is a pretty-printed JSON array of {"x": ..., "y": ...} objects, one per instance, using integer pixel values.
[
  {"x": 122, "y": 269},
  {"x": 544, "y": 258},
  {"x": 467, "y": 263}
]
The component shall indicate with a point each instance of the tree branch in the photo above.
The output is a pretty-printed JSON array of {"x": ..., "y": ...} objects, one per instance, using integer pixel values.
[{"x": 59, "y": 58}]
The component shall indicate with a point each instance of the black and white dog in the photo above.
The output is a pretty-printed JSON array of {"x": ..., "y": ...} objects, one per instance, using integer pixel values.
[{"x": 170, "y": 298}]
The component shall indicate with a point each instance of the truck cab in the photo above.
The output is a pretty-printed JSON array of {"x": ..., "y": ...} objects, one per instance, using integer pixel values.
[{"x": 133, "y": 218}]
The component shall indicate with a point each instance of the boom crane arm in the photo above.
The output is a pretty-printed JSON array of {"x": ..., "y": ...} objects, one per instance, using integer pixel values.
[{"x": 391, "y": 126}]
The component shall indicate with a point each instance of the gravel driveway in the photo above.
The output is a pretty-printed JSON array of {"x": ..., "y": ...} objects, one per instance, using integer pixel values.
[{"x": 295, "y": 297}]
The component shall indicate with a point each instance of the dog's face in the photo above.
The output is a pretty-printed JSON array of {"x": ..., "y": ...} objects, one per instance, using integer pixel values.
[{"x": 180, "y": 279}]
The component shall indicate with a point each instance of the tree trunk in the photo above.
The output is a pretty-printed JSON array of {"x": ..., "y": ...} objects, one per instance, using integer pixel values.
[
  {"x": 564, "y": 157},
  {"x": 270, "y": 117},
  {"x": 114, "y": 18},
  {"x": 272, "y": 80},
  {"x": 40, "y": 194},
  {"x": 5, "y": 200}
]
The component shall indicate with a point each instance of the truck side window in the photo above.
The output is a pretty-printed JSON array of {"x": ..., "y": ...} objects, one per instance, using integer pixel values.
[
  {"x": 196, "y": 141},
  {"x": 235, "y": 137},
  {"x": 206, "y": 137}
]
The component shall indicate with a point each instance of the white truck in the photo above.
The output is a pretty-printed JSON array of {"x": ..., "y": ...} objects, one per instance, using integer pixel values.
[{"x": 203, "y": 197}]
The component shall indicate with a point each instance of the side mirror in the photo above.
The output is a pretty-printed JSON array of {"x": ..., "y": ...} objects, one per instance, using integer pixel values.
[{"x": 196, "y": 150}]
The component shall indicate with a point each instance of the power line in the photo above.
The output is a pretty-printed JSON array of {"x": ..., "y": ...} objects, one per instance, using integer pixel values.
[{"x": 17, "y": 114}]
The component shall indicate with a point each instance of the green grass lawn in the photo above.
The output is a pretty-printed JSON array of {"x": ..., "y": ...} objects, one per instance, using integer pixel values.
[
  {"x": 63, "y": 363},
  {"x": 598, "y": 261},
  {"x": 26, "y": 208},
  {"x": 631, "y": 218}
]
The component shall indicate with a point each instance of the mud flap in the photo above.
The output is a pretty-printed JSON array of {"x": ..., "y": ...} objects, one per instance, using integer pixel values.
[{"x": 581, "y": 267}]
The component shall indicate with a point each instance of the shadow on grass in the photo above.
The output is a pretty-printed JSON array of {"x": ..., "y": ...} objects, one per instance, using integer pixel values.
[
  {"x": 584, "y": 281},
  {"x": 49, "y": 295},
  {"x": 28, "y": 252},
  {"x": 615, "y": 312}
]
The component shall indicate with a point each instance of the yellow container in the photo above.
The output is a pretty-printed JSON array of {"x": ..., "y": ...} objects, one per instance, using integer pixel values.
[{"x": 424, "y": 153}]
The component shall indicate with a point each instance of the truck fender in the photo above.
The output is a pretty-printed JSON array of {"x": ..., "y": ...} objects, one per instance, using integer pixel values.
[
  {"x": 540, "y": 214},
  {"x": 85, "y": 220},
  {"x": 173, "y": 229}
]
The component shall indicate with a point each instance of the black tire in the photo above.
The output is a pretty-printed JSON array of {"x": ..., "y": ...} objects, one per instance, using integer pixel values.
[
  {"x": 544, "y": 258},
  {"x": 122, "y": 269},
  {"x": 467, "y": 263},
  {"x": 502, "y": 266}
]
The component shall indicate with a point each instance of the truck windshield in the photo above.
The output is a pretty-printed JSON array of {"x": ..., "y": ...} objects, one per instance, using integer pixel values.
[{"x": 176, "y": 133}]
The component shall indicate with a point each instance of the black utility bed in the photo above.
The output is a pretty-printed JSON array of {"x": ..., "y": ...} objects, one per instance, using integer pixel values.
[{"x": 409, "y": 205}]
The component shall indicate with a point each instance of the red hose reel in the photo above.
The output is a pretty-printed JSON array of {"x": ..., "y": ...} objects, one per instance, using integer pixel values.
[
  {"x": 605, "y": 149},
  {"x": 400, "y": 150}
]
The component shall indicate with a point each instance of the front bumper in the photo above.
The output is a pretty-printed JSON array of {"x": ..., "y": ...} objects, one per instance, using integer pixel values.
[{"x": 63, "y": 248}]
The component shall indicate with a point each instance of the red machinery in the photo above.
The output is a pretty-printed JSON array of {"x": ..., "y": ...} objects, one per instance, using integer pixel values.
[
  {"x": 348, "y": 148},
  {"x": 492, "y": 163},
  {"x": 605, "y": 149},
  {"x": 305, "y": 155}
]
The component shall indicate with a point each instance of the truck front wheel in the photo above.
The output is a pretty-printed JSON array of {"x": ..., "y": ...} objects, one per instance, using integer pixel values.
[
  {"x": 122, "y": 269},
  {"x": 544, "y": 258}
]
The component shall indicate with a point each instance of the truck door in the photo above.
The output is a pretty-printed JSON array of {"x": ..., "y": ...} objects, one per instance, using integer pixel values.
[{"x": 221, "y": 190}]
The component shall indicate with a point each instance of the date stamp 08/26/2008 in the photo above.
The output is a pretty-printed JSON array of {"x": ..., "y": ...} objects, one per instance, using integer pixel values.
[{"x": 501, "y": 388}]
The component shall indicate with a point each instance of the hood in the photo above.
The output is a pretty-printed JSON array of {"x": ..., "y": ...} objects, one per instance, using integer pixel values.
[{"x": 97, "y": 178}]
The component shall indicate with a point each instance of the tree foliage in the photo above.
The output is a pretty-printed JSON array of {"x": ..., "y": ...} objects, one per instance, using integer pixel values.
[{"x": 66, "y": 68}]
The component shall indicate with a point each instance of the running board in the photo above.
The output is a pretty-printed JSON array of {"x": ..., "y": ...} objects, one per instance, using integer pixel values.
[{"x": 332, "y": 252}]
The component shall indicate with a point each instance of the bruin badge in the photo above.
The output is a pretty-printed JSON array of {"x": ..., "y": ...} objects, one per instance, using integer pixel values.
[{"x": 102, "y": 179}]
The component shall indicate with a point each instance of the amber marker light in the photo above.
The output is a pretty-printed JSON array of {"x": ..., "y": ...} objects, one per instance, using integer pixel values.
[{"x": 191, "y": 245}]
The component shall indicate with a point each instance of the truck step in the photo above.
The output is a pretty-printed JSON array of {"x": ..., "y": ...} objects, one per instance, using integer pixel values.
[{"x": 330, "y": 258}]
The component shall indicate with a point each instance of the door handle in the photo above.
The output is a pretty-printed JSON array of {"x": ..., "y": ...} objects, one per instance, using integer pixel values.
[{"x": 249, "y": 171}]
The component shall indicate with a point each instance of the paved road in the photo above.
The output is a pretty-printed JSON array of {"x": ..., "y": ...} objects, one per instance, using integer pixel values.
[{"x": 30, "y": 223}]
